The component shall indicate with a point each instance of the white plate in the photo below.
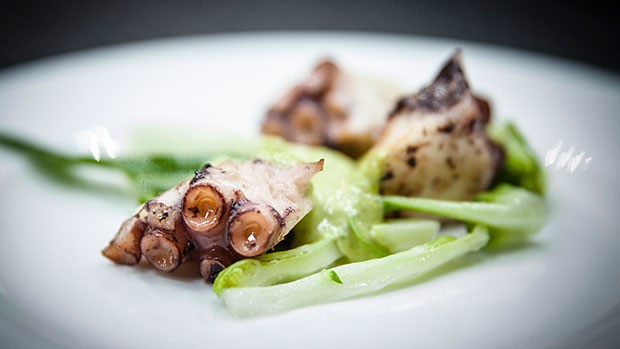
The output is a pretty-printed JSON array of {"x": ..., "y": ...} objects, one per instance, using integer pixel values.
[{"x": 57, "y": 290}]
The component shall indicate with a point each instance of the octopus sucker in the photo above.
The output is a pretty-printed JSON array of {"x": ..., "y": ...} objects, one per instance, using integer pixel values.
[
  {"x": 164, "y": 249},
  {"x": 253, "y": 229},
  {"x": 334, "y": 108},
  {"x": 224, "y": 213},
  {"x": 203, "y": 207}
]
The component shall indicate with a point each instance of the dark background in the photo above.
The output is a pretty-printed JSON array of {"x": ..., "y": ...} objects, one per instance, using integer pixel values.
[{"x": 585, "y": 31}]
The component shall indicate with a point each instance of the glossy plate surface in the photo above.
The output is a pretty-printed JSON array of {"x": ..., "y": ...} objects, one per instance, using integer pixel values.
[{"x": 58, "y": 291}]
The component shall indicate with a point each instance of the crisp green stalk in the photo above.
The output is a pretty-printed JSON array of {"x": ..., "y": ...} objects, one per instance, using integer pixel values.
[
  {"x": 521, "y": 165},
  {"x": 279, "y": 267},
  {"x": 357, "y": 232},
  {"x": 352, "y": 280},
  {"x": 403, "y": 234},
  {"x": 510, "y": 212}
]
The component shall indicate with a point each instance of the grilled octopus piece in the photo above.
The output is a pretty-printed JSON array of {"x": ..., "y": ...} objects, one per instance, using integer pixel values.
[
  {"x": 224, "y": 213},
  {"x": 436, "y": 143},
  {"x": 244, "y": 209},
  {"x": 334, "y": 109}
]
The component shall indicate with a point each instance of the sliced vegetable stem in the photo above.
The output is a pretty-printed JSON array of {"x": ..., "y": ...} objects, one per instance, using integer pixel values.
[
  {"x": 278, "y": 267},
  {"x": 354, "y": 279},
  {"x": 403, "y": 234},
  {"x": 511, "y": 213}
]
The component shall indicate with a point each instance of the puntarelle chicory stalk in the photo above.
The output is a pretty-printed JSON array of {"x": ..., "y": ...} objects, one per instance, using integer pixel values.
[
  {"x": 511, "y": 213},
  {"x": 279, "y": 267},
  {"x": 401, "y": 234},
  {"x": 353, "y": 279},
  {"x": 521, "y": 166}
]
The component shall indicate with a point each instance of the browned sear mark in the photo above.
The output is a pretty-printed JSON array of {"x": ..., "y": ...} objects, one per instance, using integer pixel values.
[
  {"x": 411, "y": 161},
  {"x": 447, "y": 128}
]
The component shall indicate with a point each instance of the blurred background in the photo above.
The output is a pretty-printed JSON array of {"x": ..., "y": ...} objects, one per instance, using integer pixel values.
[{"x": 580, "y": 31}]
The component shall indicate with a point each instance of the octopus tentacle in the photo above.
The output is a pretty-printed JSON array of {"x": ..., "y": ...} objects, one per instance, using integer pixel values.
[
  {"x": 125, "y": 246},
  {"x": 334, "y": 108},
  {"x": 224, "y": 213}
]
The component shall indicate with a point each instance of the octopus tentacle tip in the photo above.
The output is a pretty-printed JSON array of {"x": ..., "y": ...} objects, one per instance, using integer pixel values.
[
  {"x": 119, "y": 256},
  {"x": 160, "y": 249},
  {"x": 160, "y": 253},
  {"x": 210, "y": 269},
  {"x": 318, "y": 166},
  {"x": 125, "y": 246},
  {"x": 457, "y": 56}
]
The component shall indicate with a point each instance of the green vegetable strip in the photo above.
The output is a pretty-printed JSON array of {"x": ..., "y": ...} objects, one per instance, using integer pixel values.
[
  {"x": 403, "y": 234},
  {"x": 278, "y": 267},
  {"x": 150, "y": 174},
  {"x": 521, "y": 166},
  {"x": 375, "y": 249},
  {"x": 511, "y": 213},
  {"x": 354, "y": 279}
]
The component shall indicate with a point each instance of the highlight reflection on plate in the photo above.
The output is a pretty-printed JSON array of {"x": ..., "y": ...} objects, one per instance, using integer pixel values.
[{"x": 57, "y": 290}]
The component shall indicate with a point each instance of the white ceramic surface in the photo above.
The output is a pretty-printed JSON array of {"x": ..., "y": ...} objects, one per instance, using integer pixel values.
[{"x": 58, "y": 291}]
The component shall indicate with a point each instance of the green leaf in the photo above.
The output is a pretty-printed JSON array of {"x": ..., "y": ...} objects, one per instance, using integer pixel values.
[{"x": 333, "y": 276}]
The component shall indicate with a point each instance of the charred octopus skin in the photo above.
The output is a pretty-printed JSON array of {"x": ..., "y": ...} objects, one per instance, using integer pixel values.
[
  {"x": 154, "y": 232},
  {"x": 224, "y": 213},
  {"x": 333, "y": 108},
  {"x": 435, "y": 141}
]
